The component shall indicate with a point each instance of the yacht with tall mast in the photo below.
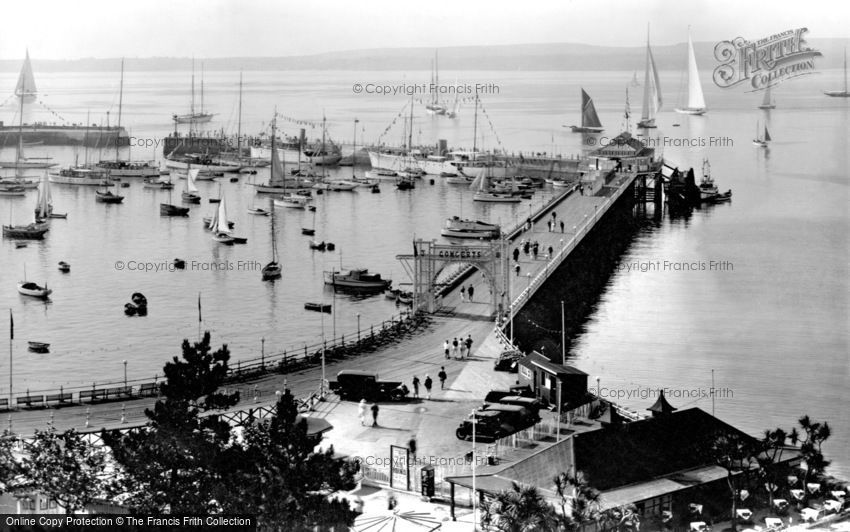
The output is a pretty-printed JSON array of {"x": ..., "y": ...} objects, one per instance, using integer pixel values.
[
  {"x": 761, "y": 140},
  {"x": 272, "y": 270},
  {"x": 844, "y": 93},
  {"x": 434, "y": 107},
  {"x": 767, "y": 102},
  {"x": 696, "y": 100},
  {"x": 119, "y": 168},
  {"x": 651, "y": 90},
  {"x": 193, "y": 116}
]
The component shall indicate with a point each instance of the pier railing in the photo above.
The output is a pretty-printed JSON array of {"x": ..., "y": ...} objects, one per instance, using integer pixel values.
[
  {"x": 553, "y": 262},
  {"x": 282, "y": 362}
]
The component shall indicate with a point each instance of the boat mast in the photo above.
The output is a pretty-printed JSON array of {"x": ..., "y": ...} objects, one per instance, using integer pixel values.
[
  {"x": 354, "y": 151},
  {"x": 86, "y": 140},
  {"x": 475, "y": 126},
  {"x": 322, "y": 153},
  {"x": 202, "y": 87},
  {"x": 19, "y": 153},
  {"x": 410, "y": 131},
  {"x": 845, "y": 70},
  {"x": 274, "y": 244},
  {"x": 239, "y": 122},
  {"x": 120, "y": 104}
]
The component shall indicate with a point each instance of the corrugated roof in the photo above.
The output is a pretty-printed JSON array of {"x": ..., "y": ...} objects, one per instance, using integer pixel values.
[{"x": 536, "y": 359}]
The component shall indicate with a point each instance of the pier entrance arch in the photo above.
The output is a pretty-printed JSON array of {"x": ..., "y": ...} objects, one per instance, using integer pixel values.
[{"x": 430, "y": 259}]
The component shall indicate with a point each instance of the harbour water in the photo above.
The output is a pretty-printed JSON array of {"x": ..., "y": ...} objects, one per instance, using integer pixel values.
[{"x": 773, "y": 327}]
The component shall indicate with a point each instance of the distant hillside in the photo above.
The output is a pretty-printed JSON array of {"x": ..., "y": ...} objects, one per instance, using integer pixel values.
[{"x": 559, "y": 56}]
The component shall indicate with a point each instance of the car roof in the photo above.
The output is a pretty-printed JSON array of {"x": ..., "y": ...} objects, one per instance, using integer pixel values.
[
  {"x": 360, "y": 372},
  {"x": 504, "y": 408},
  {"x": 519, "y": 398},
  {"x": 485, "y": 413}
]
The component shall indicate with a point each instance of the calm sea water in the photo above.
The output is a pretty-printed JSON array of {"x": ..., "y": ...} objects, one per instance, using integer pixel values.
[{"x": 773, "y": 327}]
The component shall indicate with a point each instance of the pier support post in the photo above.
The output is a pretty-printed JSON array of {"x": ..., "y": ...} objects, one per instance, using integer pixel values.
[
  {"x": 123, "y": 413},
  {"x": 88, "y": 417}
]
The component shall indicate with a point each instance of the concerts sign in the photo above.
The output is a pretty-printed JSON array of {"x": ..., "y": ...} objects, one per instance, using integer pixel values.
[
  {"x": 766, "y": 62},
  {"x": 399, "y": 468}
]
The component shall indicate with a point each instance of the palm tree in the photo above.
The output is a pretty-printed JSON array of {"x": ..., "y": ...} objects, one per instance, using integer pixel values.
[
  {"x": 519, "y": 509},
  {"x": 735, "y": 453},
  {"x": 623, "y": 518},
  {"x": 579, "y": 500}
]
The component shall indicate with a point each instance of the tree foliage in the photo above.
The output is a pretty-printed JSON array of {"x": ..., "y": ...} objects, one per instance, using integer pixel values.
[
  {"x": 187, "y": 459},
  {"x": 8, "y": 465},
  {"x": 736, "y": 453},
  {"x": 519, "y": 509},
  {"x": 65, "y": 467},
  {"x": 579, "y": 500}
]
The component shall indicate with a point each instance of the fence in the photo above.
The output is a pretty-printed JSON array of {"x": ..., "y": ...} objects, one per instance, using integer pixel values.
[{"x": 283, "y": 362}]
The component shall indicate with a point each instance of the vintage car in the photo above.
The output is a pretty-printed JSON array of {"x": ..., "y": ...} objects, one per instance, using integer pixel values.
[
  {"x": 515, "y": 416},
  {"x": 358, "y": 384},
  {"x": 532, "y": 404},
  {"x": 493, "y": 396},
  {"x": 488, "y": 427},
  {"x": 508, "y": 361}
]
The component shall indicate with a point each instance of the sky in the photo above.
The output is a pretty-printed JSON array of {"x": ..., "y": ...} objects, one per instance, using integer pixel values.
[{"x": 63, "y": 29}]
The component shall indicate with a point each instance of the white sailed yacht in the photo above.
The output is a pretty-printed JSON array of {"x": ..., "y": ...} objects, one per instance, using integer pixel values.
[
  {"x": 651, "y": 91},
  {"x": 761, "y": 140},
  {"x": 696, "y": 100},
  {"x": 844, "y": 93},
  {"x": 767, "y": 102}
]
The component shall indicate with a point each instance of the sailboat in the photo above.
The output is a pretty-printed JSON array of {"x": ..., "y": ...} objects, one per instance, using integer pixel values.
[
  {"x": 194, "y": 117},
  {"x": 29, "y": 288},
  {"x": 221, "y": 226},
  {"x": 119, "y": 168},
  {"x": 26, "y": 92},
  {"x": 844, "y": 93},
  {"x": 33, "y": 231},
  {"x": 696, "y": 101},
  {"x": 434, "y": 107},
  {"x": 761, "y": 141},
  {"x": 272, "y": 270},
  {"x": 44, "y": 204},
  {"x": 278, "y": 183},
  {"x": 651, "y": 90},
  {"x": 589, "y": 119},
  {"x": 106, "y": 196},
  {"x": 635, "y": 82},
  {"x": 456, "y": 105},
  {"x": 767, "y": 102},
  {"x": 333, "y": 184},
  {"x": 169, "y": 209},
  {"x": 190, "y": 195}
]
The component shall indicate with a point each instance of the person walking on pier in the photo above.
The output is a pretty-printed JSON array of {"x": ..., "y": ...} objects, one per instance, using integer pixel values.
[
  {"x": 446, "y": 348},
  {"x": 375, "y": 410},
  {"x": 428, "y": 384},
  {"x": 470, "y": 291},
  {"x": 554, "y": 216},
  {"x": 562, "y": 226},
  {"x": 361, "y": 411},
  {"x": 516, "y": 269},
  {"x": 415, "y": 386},
  {"x": 469, "y": 344},
  {"x": 526, "y": 247},
  {"x": 516, "y": 251},
  {"x": 463, "y": 293},
  {"x": 454, "y": 348},
  {"x": 550, "y": 252},
  {"x": 411, "y": 445},
  {"x": 462, "y": 349},
  {"x": 442, "y": 376}
]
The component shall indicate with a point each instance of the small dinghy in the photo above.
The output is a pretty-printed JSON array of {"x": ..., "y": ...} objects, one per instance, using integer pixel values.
[
  {"x": 138, "y": 306},
  {"x": 179, "y": 264},
  {"x": 39, "y": 347},
  {"x": 317, "y": 246},
  {"x": 318, "y": 307},
  {"x": 64, "y": 267},
  {"x": 258, "y": 211}
]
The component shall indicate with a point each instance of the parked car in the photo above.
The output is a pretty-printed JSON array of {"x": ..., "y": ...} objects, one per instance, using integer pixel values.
[
  {"x": 488, "y": 427},
  {"x": 508, "y": 361},
  {"x": 515, "y": 416},
  {"x": 493, "y": 396},
  {"x": 358, "y": 384},
  {"x": 532, "y": 404}
]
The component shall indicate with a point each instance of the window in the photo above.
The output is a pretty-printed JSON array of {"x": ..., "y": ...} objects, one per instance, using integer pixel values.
[
  {"x": 42, "y": 504},
  {"x": 525, "y": 372}
]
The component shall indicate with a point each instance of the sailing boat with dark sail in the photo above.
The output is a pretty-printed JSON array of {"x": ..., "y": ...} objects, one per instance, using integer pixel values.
[
  {"x": 844, "y": 93},
  {"x": 651, "y": 91},
  {"x": 272, "y": 270},
  {"x": 589, "y": 119},
  {"x": 761, "y": 140},
  {"x": 696, "y": 100}
]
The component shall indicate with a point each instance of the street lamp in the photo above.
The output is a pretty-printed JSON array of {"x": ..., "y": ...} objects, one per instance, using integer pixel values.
[
  {"x": 597, "y": 388},
  {"x": 354, "y": 150},
  {"x": 125, "y": 373},
  {"x": 474, "y": 492}
]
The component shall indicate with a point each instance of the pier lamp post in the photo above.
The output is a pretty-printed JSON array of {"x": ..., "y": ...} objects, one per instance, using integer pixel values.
[
  {"x": 528, "y": 286},
  {"x": 474, "y": 493},
  {"x": 354, "y": 150},
  {"x": 358, "y": 322},
  {"x": 598, "y": 390},
  {"x": 125, "y": 373}
]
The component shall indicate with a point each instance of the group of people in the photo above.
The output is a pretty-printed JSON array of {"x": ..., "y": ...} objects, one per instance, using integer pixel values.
[
  {"x": 458, "y": 348},
  {"x": 442, "y": 375}
]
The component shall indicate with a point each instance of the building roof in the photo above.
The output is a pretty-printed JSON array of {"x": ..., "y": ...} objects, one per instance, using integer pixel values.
[
  {"x": 661, "y": 406},
  {"x": 535, "y": 359},
  {"x": 623, "y": 145},
  {"x": 642, "y": 491},
  {"x": 616, "y": 456}
]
